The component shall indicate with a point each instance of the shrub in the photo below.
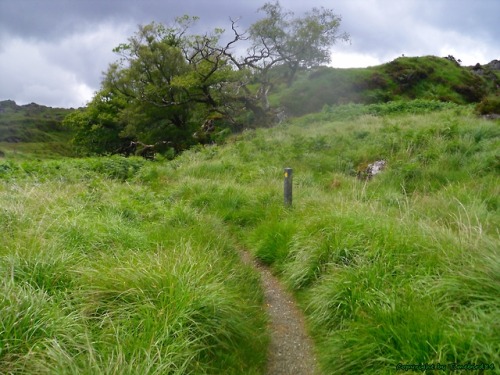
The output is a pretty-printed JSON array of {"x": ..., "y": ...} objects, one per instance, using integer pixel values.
[{"x": 489, "y": 105}]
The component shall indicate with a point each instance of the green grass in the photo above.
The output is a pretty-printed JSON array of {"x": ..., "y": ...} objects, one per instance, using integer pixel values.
[
  {"x": 127, "y": 265},
  {"x": 399, "y": 269},
  {"x": 101, "y": 275}
]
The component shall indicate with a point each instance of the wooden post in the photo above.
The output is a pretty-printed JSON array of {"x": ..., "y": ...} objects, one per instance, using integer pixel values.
[{"x": 288, "y": 187}]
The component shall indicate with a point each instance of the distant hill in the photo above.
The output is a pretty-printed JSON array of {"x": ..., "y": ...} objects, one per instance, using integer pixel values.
[
  {"x": 30, "y": 122},
  {"x": 33, "y": 128},
  {"x": 405, "y": 78}
]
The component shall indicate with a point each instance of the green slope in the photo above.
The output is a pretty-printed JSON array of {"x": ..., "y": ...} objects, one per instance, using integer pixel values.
[
  {"x": 33, "y": 129},
  {"x": 405, "y": 78},
  {"x": 402, "y": 269},
  {"x": 36, "y": 130}
]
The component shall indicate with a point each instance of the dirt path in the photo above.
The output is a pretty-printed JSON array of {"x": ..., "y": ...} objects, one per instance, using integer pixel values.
[{"x": 291, "y": 349}]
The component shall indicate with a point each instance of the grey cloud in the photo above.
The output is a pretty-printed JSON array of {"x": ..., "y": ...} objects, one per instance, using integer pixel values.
[
  {"x": 46, "y": 20},
  {"x": 386, "y": 28},
  {"x": 64, "y": 45}
]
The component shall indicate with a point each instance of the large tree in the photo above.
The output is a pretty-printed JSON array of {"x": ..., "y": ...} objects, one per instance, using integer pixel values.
[
  {"x": 167, "y": 83},
  {"x": 175, "y": 79},
  {"x": 296, "y": 42}
]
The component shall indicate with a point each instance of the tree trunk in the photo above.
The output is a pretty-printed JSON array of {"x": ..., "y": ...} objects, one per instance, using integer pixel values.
[
  {"x": 293, "y": 71},
  {"x": 262, "y": 117}
]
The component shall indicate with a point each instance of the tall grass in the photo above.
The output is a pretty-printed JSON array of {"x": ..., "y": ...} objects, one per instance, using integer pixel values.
[
  {"x": 101, "y": 276},
  {"x": 400, "y": 269}
]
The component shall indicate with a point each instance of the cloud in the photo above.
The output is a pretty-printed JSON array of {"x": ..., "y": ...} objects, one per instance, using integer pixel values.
[
  {"x": 63, "y": 72},
  {"x": 384, "y": 30},
  {"x": 89, "y": 52},
  {"x": 52, "y": 19},
  {"x": 53, "y": 52},
  {"x": 345, "y": 59},
  {"x": 33, "y": 79}
]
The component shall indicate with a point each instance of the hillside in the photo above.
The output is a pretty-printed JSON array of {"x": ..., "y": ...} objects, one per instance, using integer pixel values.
[
  {"x": 129, "y": 264},
  {"x": 33, "y": 129},
  {"x": 405, "y": 78}
]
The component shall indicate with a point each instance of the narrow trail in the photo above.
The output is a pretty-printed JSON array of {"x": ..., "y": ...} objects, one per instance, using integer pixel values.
[{"x": 291, "y": 349}]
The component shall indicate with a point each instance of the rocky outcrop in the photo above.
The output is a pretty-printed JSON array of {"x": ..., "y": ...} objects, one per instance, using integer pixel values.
[
  {"x": 493, "y": 65},
  {"x": 372, "y": 169}
]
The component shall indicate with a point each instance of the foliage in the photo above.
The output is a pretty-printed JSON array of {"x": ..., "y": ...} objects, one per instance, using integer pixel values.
[
  {"x": 301, "y": 42},
  {"x": 399, "y": 269},
  {"x": 97, "y": 127},
  {"x": 169, "y": 86},
  {"x": 125, "y": 265},
  {"x": 489, "y": 105},
  {"x": 352, "y": 111},
  {"x": 101, "y": 276},
  {"x": 113, "y": 167},
  {"x": 154, "y": 79}
]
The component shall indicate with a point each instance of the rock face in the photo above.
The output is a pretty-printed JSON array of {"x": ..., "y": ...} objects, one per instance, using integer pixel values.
[
  {"x": 8, "y": 104},
  {"x": 375, "y": 168},
  {"x": 485, "y": 69},
  {"x": 494, "y": 65}
]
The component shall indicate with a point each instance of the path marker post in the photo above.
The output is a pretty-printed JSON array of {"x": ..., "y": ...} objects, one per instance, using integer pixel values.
[{"x": 288, "y": 186}]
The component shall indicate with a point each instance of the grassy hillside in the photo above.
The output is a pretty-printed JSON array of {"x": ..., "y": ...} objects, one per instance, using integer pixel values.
[
  {"x": 124, "y": 264},
  {"x": 405, "y": 78},
  {"x": 33, "y": 129}
]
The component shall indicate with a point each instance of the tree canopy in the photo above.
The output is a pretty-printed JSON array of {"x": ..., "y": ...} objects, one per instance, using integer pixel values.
[
  {"x": 297, "y": 42},
  {"x": 172, "y": 88}
]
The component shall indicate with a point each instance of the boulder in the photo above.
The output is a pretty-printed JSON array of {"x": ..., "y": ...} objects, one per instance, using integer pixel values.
[{"x": 372, "y": 169}]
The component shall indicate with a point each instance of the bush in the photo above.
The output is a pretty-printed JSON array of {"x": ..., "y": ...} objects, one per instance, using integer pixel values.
[{"x": 489, "y": 105}]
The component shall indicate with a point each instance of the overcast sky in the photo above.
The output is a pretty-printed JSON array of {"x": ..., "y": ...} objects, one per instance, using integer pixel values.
[{"x": 53, "y": 52}]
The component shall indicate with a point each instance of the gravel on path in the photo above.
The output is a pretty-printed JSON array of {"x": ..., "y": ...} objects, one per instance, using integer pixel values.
[{"x": 291, "y": 349}]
